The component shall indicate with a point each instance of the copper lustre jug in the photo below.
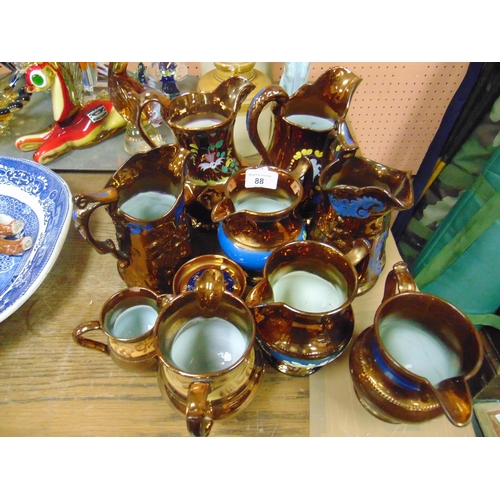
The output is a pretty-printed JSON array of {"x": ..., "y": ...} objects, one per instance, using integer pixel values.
[
  {"x": 303, "y": 305},
  {"x": 260, "y": 210},
  {"x": 412, "y": 365},
  {"x": 209, "y": 366},
  {"x": 145, "y": 201},
  {"x": 304, "y": 120},
  {"x": 358, "y": 196},
  {"x": 203, "y": 123}
]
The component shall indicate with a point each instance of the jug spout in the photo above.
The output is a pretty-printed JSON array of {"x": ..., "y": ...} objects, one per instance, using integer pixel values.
[
  {"x": 260, "y": 296},
  {"x": 454, "y": 396},
  {"x": 222, "y": 210},
  {"x": 233, "y": 91},
  {"x": 337, "y": 86},
  {"x": 340, "y": 144},
  {"x": 356, "y": 179}
]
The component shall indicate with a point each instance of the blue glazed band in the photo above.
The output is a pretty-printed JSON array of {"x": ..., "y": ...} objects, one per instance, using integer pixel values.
[
  {"x": 254, "y": 260},
  {"x": 389, "y": 373},
  {"x": 298, "y": 363}
]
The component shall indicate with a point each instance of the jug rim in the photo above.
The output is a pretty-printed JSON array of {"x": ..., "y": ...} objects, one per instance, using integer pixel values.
[
  {"x": 465, "y": 373},
  {"x": 177, "y": 156},
  {"x": 294, "y": 187},
  {"x": 187, "y": 298},
  {"x": 341, "y": 162},
  {"x": 135, "y": 292},
  {"x": 211, "y": 98},
  {"x": 309, "y": 243}
]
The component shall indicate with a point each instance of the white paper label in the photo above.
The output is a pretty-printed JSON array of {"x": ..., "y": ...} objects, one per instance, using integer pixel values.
[{"x": 261, "y": 177}]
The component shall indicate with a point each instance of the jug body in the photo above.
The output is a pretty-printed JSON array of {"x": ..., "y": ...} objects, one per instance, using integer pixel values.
[
  {"x": 203, "y": 123},
  {"x": 209, "y": 367},
  {"x": 302, "y": 306},
  {"x": 259, "y": 212},
  {"x": 413, "y": 363},
  {"x": 358, "y": 196},
  {"x": 145, "y": 201}
]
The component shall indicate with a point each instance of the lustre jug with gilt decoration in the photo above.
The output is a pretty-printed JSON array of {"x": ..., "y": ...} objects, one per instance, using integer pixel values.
[
  {"x": 358, "y": 197},
  {"x": 305, "y": 121}
]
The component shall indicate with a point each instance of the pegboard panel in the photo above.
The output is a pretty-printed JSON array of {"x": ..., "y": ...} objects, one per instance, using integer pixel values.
[
  {"x": 194, "y": 68},
  {"x": 397, "y": 108}
]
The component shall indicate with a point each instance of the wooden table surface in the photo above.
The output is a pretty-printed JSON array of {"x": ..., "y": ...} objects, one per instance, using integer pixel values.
[{"x": 50, "y": 386}]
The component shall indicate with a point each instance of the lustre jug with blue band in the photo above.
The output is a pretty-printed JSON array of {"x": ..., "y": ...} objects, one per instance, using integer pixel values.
[
  {"x": 413, "y": 364},
  {"x": 259, "y": 212},
  {"x": 358, "y": 196},
  {"x": 303, "y": 305}
]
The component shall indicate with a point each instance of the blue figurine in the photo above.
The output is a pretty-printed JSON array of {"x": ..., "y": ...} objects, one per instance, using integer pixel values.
[{"x": 167, "y": 71}]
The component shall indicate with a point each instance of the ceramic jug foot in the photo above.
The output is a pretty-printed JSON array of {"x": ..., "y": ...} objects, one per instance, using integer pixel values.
[
  {"x": 291, "y": 367},
  {"x": 287, "y": 369}
]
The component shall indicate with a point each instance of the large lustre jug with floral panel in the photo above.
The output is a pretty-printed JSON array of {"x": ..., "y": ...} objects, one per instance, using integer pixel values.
[{"x": 203, "y": 123}]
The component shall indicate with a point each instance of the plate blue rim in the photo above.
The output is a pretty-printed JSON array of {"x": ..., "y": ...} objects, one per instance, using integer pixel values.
[{"x": 50, "y": 192}]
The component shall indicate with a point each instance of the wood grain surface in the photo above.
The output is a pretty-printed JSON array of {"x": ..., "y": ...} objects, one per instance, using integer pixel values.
[{"x": 51, "y": 386}]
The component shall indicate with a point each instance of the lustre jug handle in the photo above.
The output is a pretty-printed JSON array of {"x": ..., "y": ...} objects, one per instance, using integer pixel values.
[
  {"x": 85, "y": 206},
  {"x": 272, "y": 93},
  {"x": 399, "y": 280},
  {"x": 303, "y": 171},
  {"x": 198, "y": 410},
  {"x": 340, "y": 143},
  {"x": 84, "y": 328},
  {"x": 145, "y": 99},
  {"x": 360, "y": 249},
  {"x": 209, "y": 289}
]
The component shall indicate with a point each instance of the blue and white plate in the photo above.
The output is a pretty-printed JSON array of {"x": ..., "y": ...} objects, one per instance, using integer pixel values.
[{"x": 42, "y": 200}]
